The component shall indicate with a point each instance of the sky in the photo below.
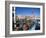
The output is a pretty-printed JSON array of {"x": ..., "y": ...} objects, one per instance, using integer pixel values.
[{"x": 26, "y": 11}]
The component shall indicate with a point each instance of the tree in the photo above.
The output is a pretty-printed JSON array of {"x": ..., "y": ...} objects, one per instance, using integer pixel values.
[{"x": 17, "y": 19}]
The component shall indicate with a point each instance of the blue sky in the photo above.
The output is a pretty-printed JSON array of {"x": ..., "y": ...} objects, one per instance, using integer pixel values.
[{"x": 25, "y": 11}]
